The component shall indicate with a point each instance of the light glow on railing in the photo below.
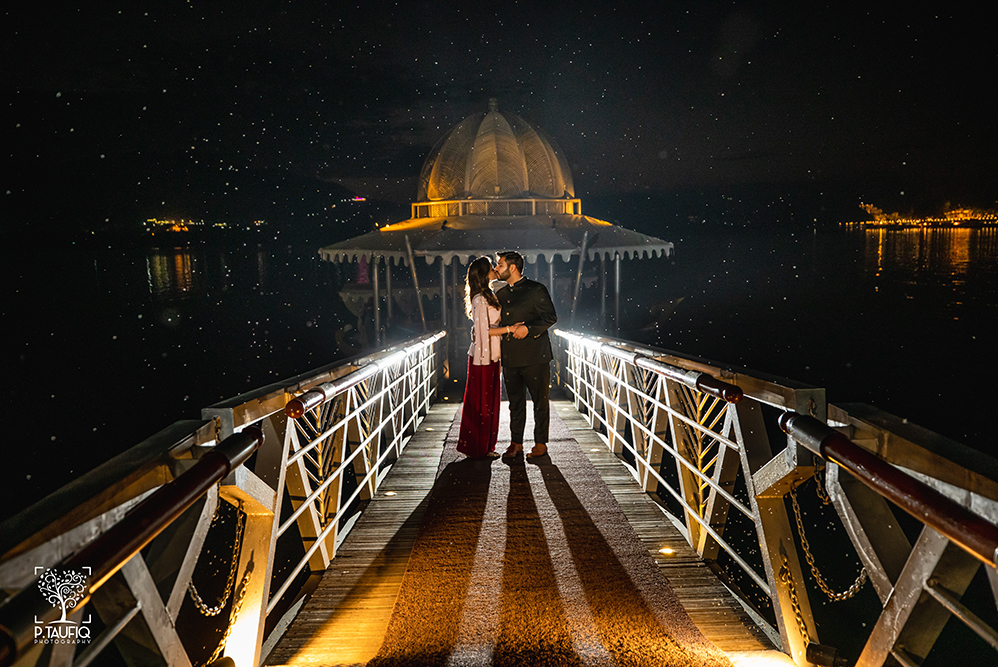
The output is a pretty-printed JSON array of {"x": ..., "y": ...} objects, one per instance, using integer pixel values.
[
  {"x": 393, "y": 359},
  {"x": 685, "y": 377},
  {"x": 418, "y": 373},
  {"x": 322, "y": 437},
  {"x": 242, "y": 642},
  {"x": 691, "y": 378}
]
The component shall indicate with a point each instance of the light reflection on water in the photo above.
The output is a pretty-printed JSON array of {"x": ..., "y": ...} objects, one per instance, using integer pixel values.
[
  {"x": 170, "y": 272},
  {"x": 946, "y": 269},
  {"x": 179, "y": 273},
  {"x": 934, "y": 256}
]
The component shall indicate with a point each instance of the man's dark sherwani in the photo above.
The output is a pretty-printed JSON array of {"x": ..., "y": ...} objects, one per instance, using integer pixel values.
[{"x": 526, "y": 363}]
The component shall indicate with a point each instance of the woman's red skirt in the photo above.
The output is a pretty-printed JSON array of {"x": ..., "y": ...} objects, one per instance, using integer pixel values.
[{"x": 480, "y": 413}]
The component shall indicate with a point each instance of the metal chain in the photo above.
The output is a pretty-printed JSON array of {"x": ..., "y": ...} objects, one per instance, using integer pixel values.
[
  {"x": 819, "y": 474},
  {"x": 237, "y": 606},
  {"x": 233, "y": 566},
  {"x": 832, "y": 595},
  {"x": 788, "y": 580}
]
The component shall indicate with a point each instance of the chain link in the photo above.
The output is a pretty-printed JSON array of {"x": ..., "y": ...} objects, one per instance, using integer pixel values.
[
  {"x": 819, "y": 480},
  {"x": 237, "y": 606},
  {"x": 832, "y": 595},
  {"x": 788, "y": 580},
  {"x": 233, "y": 566}
]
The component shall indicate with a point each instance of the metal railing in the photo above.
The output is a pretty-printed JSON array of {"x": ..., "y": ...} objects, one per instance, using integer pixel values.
[
  {"x": 105, "y": 556},
  {"x": 147, "y": 526},
  {"x": 704, "y": 438},
  {"x": 706, "y": 447}
]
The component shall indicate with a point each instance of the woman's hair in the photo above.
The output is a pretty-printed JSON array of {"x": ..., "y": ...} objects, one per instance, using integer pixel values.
[{"x": 478, "y": 283}]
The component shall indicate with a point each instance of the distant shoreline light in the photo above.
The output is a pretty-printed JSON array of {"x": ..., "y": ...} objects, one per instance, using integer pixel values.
[
  {"x": 157, "y": 226},
  {"x": 961, "y": 217},
  {"x": 935, "y": 223}
]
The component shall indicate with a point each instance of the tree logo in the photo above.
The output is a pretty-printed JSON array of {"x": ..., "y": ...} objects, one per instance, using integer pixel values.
[{"x": 63, "y": 589}]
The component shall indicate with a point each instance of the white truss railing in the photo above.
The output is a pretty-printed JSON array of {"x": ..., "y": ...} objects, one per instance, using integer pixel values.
[
  {"x": 706, "y": 449},
  {"x": 348, "y": 423}
]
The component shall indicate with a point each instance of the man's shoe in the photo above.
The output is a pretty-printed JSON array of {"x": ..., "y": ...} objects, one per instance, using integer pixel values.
[
  {"x": 513, "y": 449},
  {"x": 540, "y": 449}
]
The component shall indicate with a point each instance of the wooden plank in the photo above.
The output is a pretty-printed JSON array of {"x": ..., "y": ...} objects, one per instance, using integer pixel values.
[
  {"x": 345, "y": 619},
  {"x": 711, "y": 606}
]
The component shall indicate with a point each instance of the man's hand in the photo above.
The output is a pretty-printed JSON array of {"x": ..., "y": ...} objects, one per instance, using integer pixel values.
[{"x": 520, "y": 331}]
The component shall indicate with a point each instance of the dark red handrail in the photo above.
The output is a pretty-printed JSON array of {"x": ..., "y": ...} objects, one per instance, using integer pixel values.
[
  {"x": 970, "y": 531},
  {"x": 726, "y": 391},
  {"x": 109, "y": 552}
]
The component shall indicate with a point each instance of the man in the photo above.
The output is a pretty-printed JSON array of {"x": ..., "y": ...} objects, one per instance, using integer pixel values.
[{"x": 527, "y": 313}]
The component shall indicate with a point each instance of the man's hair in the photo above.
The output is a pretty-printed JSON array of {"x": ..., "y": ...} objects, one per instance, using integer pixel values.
[{"x": 512, "y": 257}]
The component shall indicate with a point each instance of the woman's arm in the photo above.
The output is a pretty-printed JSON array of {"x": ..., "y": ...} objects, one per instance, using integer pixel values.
[
  {"x": 480, "y": 332},
  {"x": 499, "y": 331}
]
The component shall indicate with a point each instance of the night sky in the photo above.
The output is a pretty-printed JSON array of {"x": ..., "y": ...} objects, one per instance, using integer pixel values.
[{"x": 120, "y": 111}]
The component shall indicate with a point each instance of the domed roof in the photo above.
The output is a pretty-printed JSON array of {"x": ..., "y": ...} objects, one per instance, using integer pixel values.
[{"x": 494, "y": 155}]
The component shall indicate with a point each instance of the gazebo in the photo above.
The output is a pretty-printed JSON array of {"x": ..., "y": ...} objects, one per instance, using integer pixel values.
[{"x": 494, "y": 182}]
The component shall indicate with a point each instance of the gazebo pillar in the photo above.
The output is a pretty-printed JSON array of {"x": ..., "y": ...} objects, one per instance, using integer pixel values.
[
  {"x": 602, "y": 290},
  {"x": 551, "y": 276},
  {"x": 388, "y": 291},
  {"x": 455, "y": 279},
  {"x": 616, "y": 292},
  {"x": 443, "y": 294},
  {"x": 375, "y": 260}
]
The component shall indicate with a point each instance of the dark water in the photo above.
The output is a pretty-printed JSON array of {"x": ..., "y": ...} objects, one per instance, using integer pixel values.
[
  {"x": 111, "y": 342},
  {"x": 904, "y": 320},
  {"x": 116, "y": 341}
]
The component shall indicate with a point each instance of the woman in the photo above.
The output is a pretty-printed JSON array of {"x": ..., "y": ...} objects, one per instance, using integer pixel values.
[{"x": 480, "y": 415}]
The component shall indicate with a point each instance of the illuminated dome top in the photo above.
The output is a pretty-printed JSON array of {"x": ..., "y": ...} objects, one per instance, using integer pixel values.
[{"x": 494, "y": 155}]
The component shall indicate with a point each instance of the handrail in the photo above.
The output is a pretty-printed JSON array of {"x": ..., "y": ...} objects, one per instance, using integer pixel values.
[
  {"x": 108, "y": 553},
  {"x": 702, "y": 382},
  {"x": 646, "y": 404},
  {"x": 961, "y": 526},
  {"x": 381, "y": 372},
  {"x": 319, "y": 394}
]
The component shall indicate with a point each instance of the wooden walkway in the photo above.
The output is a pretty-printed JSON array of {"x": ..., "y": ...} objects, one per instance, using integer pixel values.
[
  {"x": 344, "y": 621},
  {"x": 711, "y": 606}
]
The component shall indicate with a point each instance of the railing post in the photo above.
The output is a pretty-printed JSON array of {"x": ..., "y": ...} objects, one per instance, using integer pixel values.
[
  {"x": 724, "y": 474},
  {"x": 648, "y": 456},
  {"x": 246, "y": 630},
  {"x": 357, "y": 436},
  {"x": 684, "y": 440},
  {"x": 872, "y": 527},
  {"x": 659, "y": 426},
  {"x": 911, "y": 620},
  {"x": 767, "y": 480},
  {"x": 311, "y": 521}
]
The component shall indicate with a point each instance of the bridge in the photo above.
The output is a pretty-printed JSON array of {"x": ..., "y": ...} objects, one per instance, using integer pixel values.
[{"x": 688, "y": 513}]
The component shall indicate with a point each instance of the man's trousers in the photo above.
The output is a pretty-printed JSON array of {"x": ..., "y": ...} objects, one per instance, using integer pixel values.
[{"x": 519, "y": 380}]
